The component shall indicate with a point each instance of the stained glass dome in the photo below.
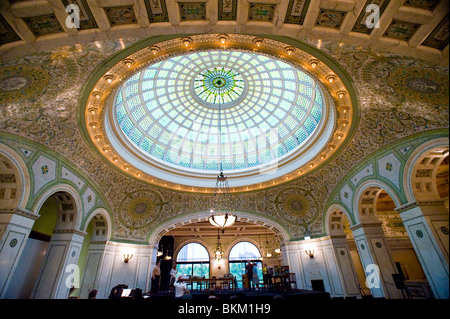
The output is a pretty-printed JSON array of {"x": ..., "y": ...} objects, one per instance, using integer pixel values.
[{"x": 170, "y": 110}]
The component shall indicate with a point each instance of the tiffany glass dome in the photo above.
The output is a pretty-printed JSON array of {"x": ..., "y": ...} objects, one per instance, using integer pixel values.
[{"x": 180, "y": 110}]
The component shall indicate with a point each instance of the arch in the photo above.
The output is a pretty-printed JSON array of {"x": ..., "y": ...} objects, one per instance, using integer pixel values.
[
  {"x": 376, "y": 187},
  {"x": 241, "y": 240},
  {"x": 165, "y": 226},
  {"x": 74, "y": 197},
  {"x": 105, "y": 216},
  {"x": 21, "y": 176},
  {"x": 412, "y": 164},
  {"x": 333, "y": 208},
  {"x": 192, "y": 241}
]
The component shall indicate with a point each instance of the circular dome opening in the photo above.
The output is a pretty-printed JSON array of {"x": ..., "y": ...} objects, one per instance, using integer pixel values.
[{"x": 169, "y": 111}]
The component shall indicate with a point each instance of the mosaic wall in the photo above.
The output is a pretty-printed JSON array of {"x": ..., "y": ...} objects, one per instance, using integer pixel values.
[{"x": 398, "y": 97}]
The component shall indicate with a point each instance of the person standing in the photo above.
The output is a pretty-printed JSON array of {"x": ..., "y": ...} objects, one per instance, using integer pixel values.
[
  {"x": 180, "y": 287},
  {"x": 249, "y": 269},
  {"x": 255, "y": 276},
  {"x": 173, "y": 275},
  {"x": 156, "y": 275}
]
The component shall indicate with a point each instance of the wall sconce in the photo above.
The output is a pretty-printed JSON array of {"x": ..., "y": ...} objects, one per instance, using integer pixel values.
[
  {"x": 127, "y": 257},
  {"x": 310, "y": 253}
]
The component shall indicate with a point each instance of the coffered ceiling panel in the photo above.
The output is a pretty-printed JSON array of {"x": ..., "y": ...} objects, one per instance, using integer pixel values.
[{"x": 410, "y": 27}]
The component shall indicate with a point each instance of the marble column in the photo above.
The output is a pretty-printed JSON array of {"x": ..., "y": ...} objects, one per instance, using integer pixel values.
[
  {"x": 15, "y": 226},
  {"x": 59, "y": 270},
  {"x": 345, "y": 265},
  {"x": 376, "y": 260},
  {"x": 97, "y": 263},
  {"x": 427, "y": 225}
]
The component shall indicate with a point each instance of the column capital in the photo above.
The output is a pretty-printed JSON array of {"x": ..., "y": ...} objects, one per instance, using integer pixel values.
[
  {"x": 411, "y": 205},
  {"x": 70, "y": 231},
  {"x": 20, "y": 212},
  {"x": 365, "y": 225}
]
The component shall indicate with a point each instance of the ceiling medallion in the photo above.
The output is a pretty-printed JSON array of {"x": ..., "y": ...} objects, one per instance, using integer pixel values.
[{"x": 214, "y": 84}]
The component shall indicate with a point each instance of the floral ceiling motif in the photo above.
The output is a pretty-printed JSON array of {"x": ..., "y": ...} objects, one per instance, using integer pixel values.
[{"x": 46, "y": 113}]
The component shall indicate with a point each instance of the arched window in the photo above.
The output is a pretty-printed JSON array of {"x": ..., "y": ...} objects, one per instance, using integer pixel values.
[
  {"x": 193, "y": 260},
  {"x": 241, "y": 254}
]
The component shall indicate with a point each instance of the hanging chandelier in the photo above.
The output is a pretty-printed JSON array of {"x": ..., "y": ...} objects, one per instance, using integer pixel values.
[
  {"x": 221, "y": 217},
  {"x": 218, "y": 251}
]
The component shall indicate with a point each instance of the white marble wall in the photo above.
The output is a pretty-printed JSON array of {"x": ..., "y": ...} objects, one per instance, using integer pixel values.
[
  {"x": 16, "y": 227},
  {"x": 430, "y": 244},
  {"x": 55, "y": 276},
  {"x": 325, "y": 265},
  {"x": 105, "y": 268}
]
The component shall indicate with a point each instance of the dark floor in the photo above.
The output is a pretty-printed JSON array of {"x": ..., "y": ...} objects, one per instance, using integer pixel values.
[{"x": 251, "y": 295}]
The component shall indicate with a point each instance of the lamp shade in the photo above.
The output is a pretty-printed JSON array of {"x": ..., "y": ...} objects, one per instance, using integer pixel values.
[{"x": 222, "y": 220}]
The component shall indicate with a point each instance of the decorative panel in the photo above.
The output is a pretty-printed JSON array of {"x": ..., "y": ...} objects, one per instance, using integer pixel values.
[
  {"x": 422, "y": 4},
  {"x": 296, "y": 11},
  {"x": 7, "y": 34},
  {"x": 438, "y": 38},
  {"x": 192, "y": 11},
  {"x": 261, "y": 12},
  {"x": 227, "y": 9},
  {"x": 330, "y": 18},
  {"x": 42, "y": 25},
  {"x": 401, "y": 30},
  {"x": 156, "y": 10},
  {"x": 360, "y": 24},
  {"x": 120, "y": 15},
  {"x": 87, "y": 20}
]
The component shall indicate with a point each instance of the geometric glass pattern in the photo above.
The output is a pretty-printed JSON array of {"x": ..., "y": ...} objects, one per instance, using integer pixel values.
[
  {"x": 219, "y": 85},
  {"x": 170, "y": 110}
]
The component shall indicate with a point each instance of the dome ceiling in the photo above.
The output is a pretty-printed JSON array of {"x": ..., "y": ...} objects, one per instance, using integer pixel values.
[
  {"x": 155, "y": 113},
  {"x": 170, "y": 110}
]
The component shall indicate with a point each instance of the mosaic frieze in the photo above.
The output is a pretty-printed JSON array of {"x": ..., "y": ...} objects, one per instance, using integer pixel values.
[
  {"x": 389, "y": 112},
  {"x": 22, "y": 81}
]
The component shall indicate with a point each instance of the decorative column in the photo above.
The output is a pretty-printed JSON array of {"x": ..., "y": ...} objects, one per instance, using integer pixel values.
[
  {"x": 376, "y": 260},
  {"x": 427, "y": 224},
  {"x": 59, "y": 270},
  {"x": 15, "y": 226},
  {"x": 97, "y": 260},
  {"x": 345, "y": 265}
]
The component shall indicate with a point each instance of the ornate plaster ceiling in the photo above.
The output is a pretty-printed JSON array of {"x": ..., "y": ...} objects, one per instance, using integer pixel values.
[
  {"x": 402, "y": 98},
  {"x": 327, "y": 133}
]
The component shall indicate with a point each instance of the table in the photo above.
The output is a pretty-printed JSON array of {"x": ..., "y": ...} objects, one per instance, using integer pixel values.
[{"x": 229, "y": 280}]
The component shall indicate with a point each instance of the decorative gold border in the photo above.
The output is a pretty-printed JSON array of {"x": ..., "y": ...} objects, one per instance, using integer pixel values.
[{"x": 103, "y": 90}]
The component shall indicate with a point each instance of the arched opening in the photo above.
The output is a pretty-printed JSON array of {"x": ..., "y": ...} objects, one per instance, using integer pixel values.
[
  {"x": 390, "y": 246},
  {"x": 177, "y": 234},
  {"x": 10, "y": 183},
  {"x": 241, "y": 254},
  {"x": 193, "y": 260},
  {"x": 57, "y": 214},
  {"x": 89, "y": 262},
  {"x": 429, "y": 175}
]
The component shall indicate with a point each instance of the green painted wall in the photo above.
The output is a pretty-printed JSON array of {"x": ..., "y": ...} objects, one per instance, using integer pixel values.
[{"x": 49, "y": 216}]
